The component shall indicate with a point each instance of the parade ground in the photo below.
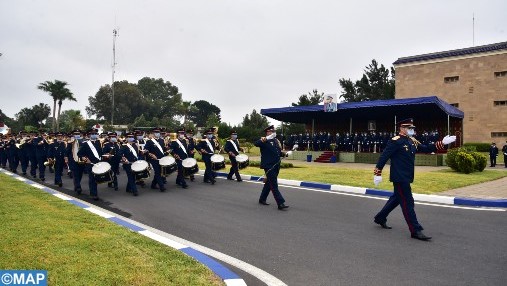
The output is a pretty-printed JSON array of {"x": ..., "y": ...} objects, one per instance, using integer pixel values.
[{"x": 324, "y": 238}]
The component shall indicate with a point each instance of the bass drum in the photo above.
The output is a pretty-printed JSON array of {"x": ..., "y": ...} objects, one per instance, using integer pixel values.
[
  {"x": 217, "y": 162},
  {"x": 102, "y": 173},
  {"x": 190, "y": 166},
  {"x": 141, "y": 170},
  {"x": 167, "y": 165},
  {"x": 243, "y": 161}
]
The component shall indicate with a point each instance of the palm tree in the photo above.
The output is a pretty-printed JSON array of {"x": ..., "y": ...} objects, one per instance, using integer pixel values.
[
  {"x": 65, "y": 94},
  {"x": 59, "y": 92}
]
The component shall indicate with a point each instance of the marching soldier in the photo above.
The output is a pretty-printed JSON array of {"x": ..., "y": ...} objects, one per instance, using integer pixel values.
[
  {"x": 23, "y": 151},
  {"x": 41, "y": 152},
  {"x": 110, "y": 151},
  {"x": 12, "y": 153},
  {"x": 57, "y": 155},
  {"x": 3, "y": 151},
  {"x": 232, "y": 148},
  {"x": 207, "y": 149},
  {"x": 31, "y": 155},
  {"x": 179, "y": 150},
  {"x": 401, "y": 150},
  {"x": 156, "y": 150},
  {"x": 91, "y": 153},
  {"x": 191, "y": 147},
  {"x": 75, "y": 164},
  {"x": 129, "y": 155},
  {"x": 271, "y": 152}
]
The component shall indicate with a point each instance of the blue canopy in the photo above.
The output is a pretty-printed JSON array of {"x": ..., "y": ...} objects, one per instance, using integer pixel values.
[{"x": 420, "y": 107}]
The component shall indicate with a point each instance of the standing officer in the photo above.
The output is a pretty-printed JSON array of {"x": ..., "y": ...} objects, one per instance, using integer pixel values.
[
  {"x": 156, "y": 150},
  {"x": 179, "y": 150},
  {"x": 401, "y": 150},
  {"x": 57, "y": 153},
  {"x": 232, "y": 148},
  {"x": 111, "y": 150},
  {"x": 493, "y": 153},
  {"x": 271, "y": 153},
  {"x": 32, "y": 156},
  {"x": 129, "y": 155},
  {"x": 41, "y": 152},
  {"x": 207, "y": 149},
  {"x": 75, "y": 164},
  {"x": 91, "y": 153},
  {"x": 12, "y": 154},
  {"x": 23, "y": 151},
  {"x": 191, "y": 147},
  {"x": 504, "y": 150},
  {"x": 3, "y": 150}
]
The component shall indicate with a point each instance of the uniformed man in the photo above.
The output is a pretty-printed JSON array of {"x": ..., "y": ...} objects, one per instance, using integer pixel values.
[
  {"x": 23, "y": 151},
  {"x": 129, "y": 155},
  {"x": 232, "y": 148},
  {"x": 504, "y": 150},
  {"x": 156, "y": 150},
  {"x": 51, "y": 138},
  {"x": 41, "y": 152},
  {"x": 191, "y": 147},
  {"x": 207, "y": 148},
  {"x": 271, "y": 153},
  {"x": 3, "y": 150},
  {"x": 75, "y": 164},
  {"x": 179, "y": 150},
  {"x": 12, "y": 154},
  {"x": 493, "y": 153},
  {"x": 110, "y": 151},
  {"x": 31, "y": 155},
  {"x": 401, "y": 150},
  {"x": 57, "y": 155},
  {"x": 91, "y": 153}
]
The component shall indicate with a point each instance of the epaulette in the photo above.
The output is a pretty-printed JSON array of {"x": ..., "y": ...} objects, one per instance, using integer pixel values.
[
  {"x": 416, "y": 142},
  {"x": 395, "y": 138}
]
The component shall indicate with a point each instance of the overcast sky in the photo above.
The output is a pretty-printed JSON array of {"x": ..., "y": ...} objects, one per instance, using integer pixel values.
[{"x": 236, "y": 54}]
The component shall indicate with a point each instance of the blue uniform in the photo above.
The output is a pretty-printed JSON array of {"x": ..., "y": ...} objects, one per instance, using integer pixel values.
[
  {"x": 41, "y": 152},
  {"x": 58, "y": 151},
  {"x": 182, "y": 152},
  {"x": 33, "y": 158},
  {"x": 209, "y": 174},
  {"x": 113, "y": 149},
  {"x": 131, "y": 158},
  {"x": 86, "y": 151},
  {"x": 401, "y": 150},
  {"x": 24, "y": 155},
  {"x": 76, "y": 168},
  {"x": 12, "y": 155},
  {"x": 3, "y": 153},
  {"x": 152, "y": 148},
  {"x": 271, "y": 151},
  {"x": 232, "y": 146}
]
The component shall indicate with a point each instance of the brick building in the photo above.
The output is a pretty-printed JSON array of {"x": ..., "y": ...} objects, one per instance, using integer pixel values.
[{"x": 472, "y": 79}]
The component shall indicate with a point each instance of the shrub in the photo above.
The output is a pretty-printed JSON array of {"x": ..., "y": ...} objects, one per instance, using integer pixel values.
[
  {"x": 479, "y": 147},
  {"x": 464, "y": 160}
]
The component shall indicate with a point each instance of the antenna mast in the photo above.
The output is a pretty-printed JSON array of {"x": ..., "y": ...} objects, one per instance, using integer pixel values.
[
  {"x": 115, "y": 34},
  {"x": 473, "y": 29}
]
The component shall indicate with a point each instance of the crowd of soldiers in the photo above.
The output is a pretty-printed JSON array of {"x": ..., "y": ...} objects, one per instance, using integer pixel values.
[{"x": 368, "y": 142}]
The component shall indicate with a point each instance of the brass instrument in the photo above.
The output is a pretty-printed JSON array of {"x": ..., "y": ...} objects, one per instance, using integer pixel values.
[
  {"x": 50, "y": 162},
  {"x": 21, "y": 143}
]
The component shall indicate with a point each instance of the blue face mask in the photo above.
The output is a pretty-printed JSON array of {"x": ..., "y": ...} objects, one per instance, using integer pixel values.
[
  {"x": 234, "y": 137},
  {"x": 130, "y": 139},
  {"x": 139, "y": 137},
  {"x": 77, "y": 137},
  {"x": 114, "y": 139},
  {"x": 157, "y": 135},
  {"x": 410, "y": 132},
  {"x": 94, "y": 136},
  {"x": 210, "y": 136}
]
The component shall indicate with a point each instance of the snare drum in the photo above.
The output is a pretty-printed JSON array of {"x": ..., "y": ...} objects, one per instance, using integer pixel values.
[
  {"x": 102, "y": 173},
  {"x": 243, "y": 161},
  {"x": 141, "y": 170},
  {"x": 189, "y": 166},
  {"x": 167, "y": 165},
  {"x": 217, "y": 162}
]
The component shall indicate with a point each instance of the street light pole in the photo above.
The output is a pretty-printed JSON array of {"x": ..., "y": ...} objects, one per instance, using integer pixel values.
[{"x": 115, "y": 34}]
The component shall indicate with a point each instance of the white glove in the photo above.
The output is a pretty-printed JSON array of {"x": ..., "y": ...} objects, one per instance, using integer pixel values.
[
  {"x": 288, "y": 153},
  {"x": 448, "y": 139},
  {"x": 377, "y": 180}
]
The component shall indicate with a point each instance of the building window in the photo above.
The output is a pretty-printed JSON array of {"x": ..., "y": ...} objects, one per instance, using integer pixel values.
[
  {"x": 500, "y": 103},
  {"x": 450, "y": 79},
  {"x": 455, "y": 105},
  {"x": 498, "y": 134},
  {"x": 471, "y": 89},
  {"x": 501, "y": 74}
]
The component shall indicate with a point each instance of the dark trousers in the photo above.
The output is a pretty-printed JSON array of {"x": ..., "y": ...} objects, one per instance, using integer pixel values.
[
  {"x": 131, "y": 179},
  {"x": 92, "y": 184},
  {"x": 234, "y": 169},
  {"x": 209, "y": 175},
  {"x": 180, "y": 178},
  {"x": 493, "y": 160},
  {"x": 77, "y": 174},
  {"x": 505, "y": 160},
  {"x": 3, "y": 158},
  {"x": 271, "y": 184},
  {"x": 33, "y": 165},
  {"x": 115, "y": 167},
  {"x": 13, "y": 161},
  {"x": 24, "y": 160},
  {"x": 157, "y": 178},
  {"x": 402, "y": 196},
  {"x": 42, "y": 168},
  {"x": 59, "y": 164}
]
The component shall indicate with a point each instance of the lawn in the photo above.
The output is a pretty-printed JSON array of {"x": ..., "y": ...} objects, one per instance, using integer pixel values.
[{"x": 40, "y": 231}]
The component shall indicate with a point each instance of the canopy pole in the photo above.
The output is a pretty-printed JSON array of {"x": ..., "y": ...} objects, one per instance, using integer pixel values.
[
  {"x": 350, "y": 126},
  {"x": 395, "y": 124},
  {"x": 448, "y": 125},
  {"x": 283, "y": 139}
]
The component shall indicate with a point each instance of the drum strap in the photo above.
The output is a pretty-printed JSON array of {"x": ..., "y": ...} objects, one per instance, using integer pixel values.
[
  {"x": 234, "y": 145},
  {"x": 182, "y": 147},
  {"x": 94, "y": 151},
  {"x": 75, "y": 148},
  {"x": 158, "y": 145},
  {"x": 209, "y": 145},
  {"x": 132, "y": 150}
]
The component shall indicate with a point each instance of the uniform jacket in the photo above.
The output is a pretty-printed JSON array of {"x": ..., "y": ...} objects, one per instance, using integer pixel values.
[
  {"x": 230, "y": 148},
  {"x": 178, "y": 150},
  {"x": 86, "y": 151},
  {"x": 153, "y": 149},
  {"x": 204, "y": 145},
  {"x": 128, "y": 154},
  {"x": 493, "y": 151},
  {"x": 271, "y": 151},
  {"x": 41, "y": 150},
  {"x": 57, "y": 150}
]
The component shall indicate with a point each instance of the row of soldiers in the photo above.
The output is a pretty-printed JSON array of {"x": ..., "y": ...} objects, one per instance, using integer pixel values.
[
  {"x": 80, "y": 151},
  {"x": 372, "y": 142}
]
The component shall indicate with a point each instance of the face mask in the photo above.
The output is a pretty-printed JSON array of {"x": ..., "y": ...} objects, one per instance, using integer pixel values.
[
  {"x": 271, "y": 136},
  {"x": 130, "y": 139},
  {"x": 210, "y": 136},
  {"x": 181, "y": 136},
  {"x": 77, "y": 136},
  {"x": 157, "y": 135},
  {"x": 190, "y": 135},
  {"x": 114, "y": 139},
  {"x": 410, "y": 132},
  {"x": 139, "y": 137},
  {"x": 234, "y": 137},
  {"x": 94, "y": 136}
]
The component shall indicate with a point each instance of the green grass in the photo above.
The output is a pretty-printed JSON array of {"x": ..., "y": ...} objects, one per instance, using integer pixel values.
[
  {"x": 499, "y": 158},
  {"x": 425, "y": 182},
  {"x": 40, "y": 231}
]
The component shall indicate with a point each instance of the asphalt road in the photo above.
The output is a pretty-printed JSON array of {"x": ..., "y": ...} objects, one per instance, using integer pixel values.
[{"x": 324, "y": 238}]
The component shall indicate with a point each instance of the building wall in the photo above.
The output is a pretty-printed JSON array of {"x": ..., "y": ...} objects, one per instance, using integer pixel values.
[{"x": 474, "y": 92}]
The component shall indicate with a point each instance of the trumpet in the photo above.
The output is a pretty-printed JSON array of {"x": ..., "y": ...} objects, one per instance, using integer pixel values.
[
  {"x": 50, "y": 162},
  {"x": 21, "y": 143}
]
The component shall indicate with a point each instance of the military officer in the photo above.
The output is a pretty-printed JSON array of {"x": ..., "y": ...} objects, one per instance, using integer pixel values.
[
  {"x": 31, "y": 155},
  {"x": 493, "y": 153},
  {"x": 156, "y": 150},
  {"x": 23, "y": 151},
  {"x": 504, "y": 150},
  {"x": 179, "y": 150},
  {"x": 57, "y": 153},
  {"x": 129, "y": 155},
  {"x": 75, "y": 164},
  {"x": 91, "y": 153},
  {"x": 207, "y": 148},
  {"x": 271, "y": 153},
  {"x": 191, "y": 147},
  {"x": 232, "y": 148},
  {"x": 110, "y": 151},
  {"x": 3, "y": 150},
  {"x": 401, "y": 150},
  {"x": 12, "y": 154},
  {"x": 41, "y": 152}
]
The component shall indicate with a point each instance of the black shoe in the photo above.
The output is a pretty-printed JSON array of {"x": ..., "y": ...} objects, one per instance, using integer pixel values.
[
  {"x": 42, "y": 179},
  {"x": 162, "y": 189},
  {"x": 128, "y": 191},
  {"x": 420, "y": 235},
  {"x": 34, "y": 176},
  {"x": 110, "y": 185},
  {"x": 282, "y": 206},
  {"x": 135, "y": 194},
  {"x": 230, "y": 179},
  {"x": 213, "y": 181},
  {"x": 263, "y": 203},
  {"x": 60, "y": 184},
  {"x": 207, "y": 181},
  {"x": 154, "y": 187},
  {"x": 192, "y": 178},
  {"x": 24, "y": 173},
  {"x": 240, "y": 180},
  {"x": 78, "y": 191},
  {"x": 95, "y": 198},
  {"x": 383, "y": 224},
  {"x": 116, "y": 188},
  {"x": 184, "y": 186}
]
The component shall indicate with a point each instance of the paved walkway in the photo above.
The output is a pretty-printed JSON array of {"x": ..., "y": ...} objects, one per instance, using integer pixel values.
[{"x": 490, "y": 190}]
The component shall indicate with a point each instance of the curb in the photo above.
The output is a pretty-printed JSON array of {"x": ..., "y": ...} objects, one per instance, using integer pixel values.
[
  {"x": 230, "y": 278},
  {"x": 475, "y": 202}
]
